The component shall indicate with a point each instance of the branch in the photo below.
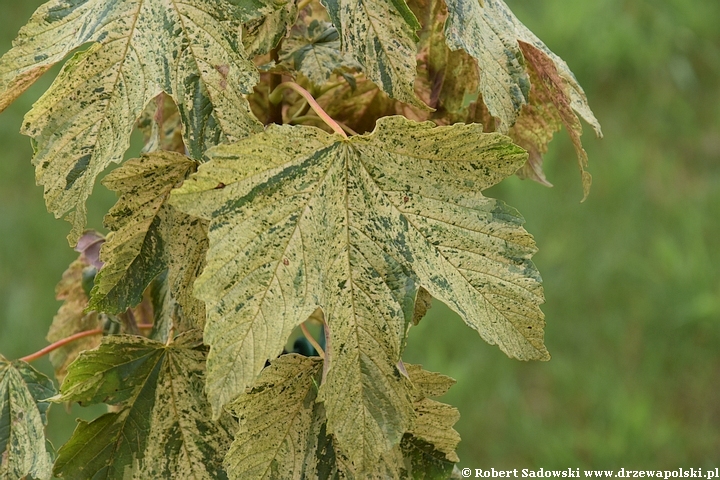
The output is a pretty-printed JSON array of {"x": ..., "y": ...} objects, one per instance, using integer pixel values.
[
  {"x": 70, "y": 339},
  {"x": 276, "y": 97}
]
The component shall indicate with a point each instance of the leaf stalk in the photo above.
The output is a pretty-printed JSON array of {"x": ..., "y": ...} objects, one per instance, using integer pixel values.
[
  {"x": 62, "y": 342},
  {"x": 276, "y": 97}
]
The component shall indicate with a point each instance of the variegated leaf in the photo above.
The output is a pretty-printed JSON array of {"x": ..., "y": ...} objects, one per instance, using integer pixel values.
[
  {"x": 490, "y": 32},
  {"x": 139, "y": 48},
  {"x": 23, "y": 409},
  {"x": 148, "y": 237},
  {"x": 380, "y": 35},
  {"x": 161, "y": 427},
  {"x": 315, "y": 52},
  {"x": 305, "y": 219}
]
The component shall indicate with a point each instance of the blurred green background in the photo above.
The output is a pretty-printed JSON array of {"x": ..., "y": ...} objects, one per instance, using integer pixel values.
[{"x": 632, "y": 276}]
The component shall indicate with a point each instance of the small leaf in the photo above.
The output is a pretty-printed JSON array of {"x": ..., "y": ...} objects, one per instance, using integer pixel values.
[
  {"x": 23, "y": 410},
  {"x": 162, "y": 427},
  {"x": 263, "y": 34},
  {"x": 380, "y": 34},
  {"x": 145, "y": 229},
  {"x": 139, "y": 49},
  {"x": 315, "y": 52}
]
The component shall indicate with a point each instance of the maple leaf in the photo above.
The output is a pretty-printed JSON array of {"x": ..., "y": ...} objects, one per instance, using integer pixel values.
[
  {"x": 315, "y": 52},
  {"x": 380, "y": 35},
  {"x": 23, "y": 409},
  {"x": 72, "y": 318},
  {"x": 490, "y": 33},
  {"x": 161, "y": 427},
  {"x": 139, "y": 49},
  {"x": 148, "y": 237},
  {"x": 264, "y": 33},
  {"x": 283, "y": 429},
  {"x": 355, "y": 227}
]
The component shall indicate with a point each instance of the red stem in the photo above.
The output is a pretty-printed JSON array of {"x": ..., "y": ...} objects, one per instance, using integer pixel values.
[{"x": 71, "y": 338}]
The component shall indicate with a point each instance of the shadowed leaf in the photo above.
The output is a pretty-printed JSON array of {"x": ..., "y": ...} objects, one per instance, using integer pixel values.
[
  {"x": 380, "y": 35},
  {"x": 315, "y": 52},
  {"x": 23, "y": 410},
  {"x": 162, "y": 426}
]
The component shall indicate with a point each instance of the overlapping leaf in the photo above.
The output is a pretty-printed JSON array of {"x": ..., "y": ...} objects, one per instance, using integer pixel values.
[
  {"x": 149, "y": 237},
  {"x": 140, "y": 48},
  {"x": 315, "y": 52},
  {"x": 263, "y": 34},
  {"x": 162, "y": 428},
  {"x": 490, "y": 32},
  {"x": 380, "y": 34},
  {"x": 307, "y": 220},
  {"x": 23, "y": 408},
  {"x": 283, "y": 430}
]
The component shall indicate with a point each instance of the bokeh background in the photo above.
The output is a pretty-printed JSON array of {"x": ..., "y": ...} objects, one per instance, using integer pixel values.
[{"x": 632, "y": 276}]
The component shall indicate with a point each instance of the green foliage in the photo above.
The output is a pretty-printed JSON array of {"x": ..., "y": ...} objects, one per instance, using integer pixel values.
[{"x": 283, "y": 225}]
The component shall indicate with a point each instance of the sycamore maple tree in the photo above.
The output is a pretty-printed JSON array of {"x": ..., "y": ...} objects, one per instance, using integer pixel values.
[{"x": 312, "y": 166}]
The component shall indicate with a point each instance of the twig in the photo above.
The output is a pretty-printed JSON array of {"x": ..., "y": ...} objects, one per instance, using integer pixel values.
[{"x": 312, "y": 341}]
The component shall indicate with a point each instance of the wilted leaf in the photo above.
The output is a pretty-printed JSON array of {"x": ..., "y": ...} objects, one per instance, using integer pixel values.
[
  {"x": 315, "y": 52},
  {"x": 380, "y": 35},
  {"x": 549, "y": 108},
  {"x": 148, "y": 235},
  {"x": 309, "y": 220},
  {"x": 72, "y": 318},
  {"x": 490, "y": 33},
  {"x": 23, "y": 409},
  {"x": 162, "y": 428},
  {"x": 140, "y": 48}
]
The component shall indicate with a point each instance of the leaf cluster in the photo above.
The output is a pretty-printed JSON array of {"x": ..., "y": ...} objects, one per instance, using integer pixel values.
[{"x": 306, "y": 164}]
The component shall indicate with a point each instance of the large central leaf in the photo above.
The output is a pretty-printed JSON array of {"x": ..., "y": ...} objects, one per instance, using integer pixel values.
[
  {"x": 140, "y": 48},
  {"x": 302, "y": 219}
]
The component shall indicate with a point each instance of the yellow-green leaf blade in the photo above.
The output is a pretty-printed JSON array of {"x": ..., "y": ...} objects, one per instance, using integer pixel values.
[
  {"x": 23, "y": 409},
  {"x": 467, "y": 250},
  {"x": 380, "y": 34},
  {"x": 276, "y": 418},
  {"x": 163, "y": 429},
  {"x": 141, "y": 223},
  {"x": 141, "y": 47}
]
